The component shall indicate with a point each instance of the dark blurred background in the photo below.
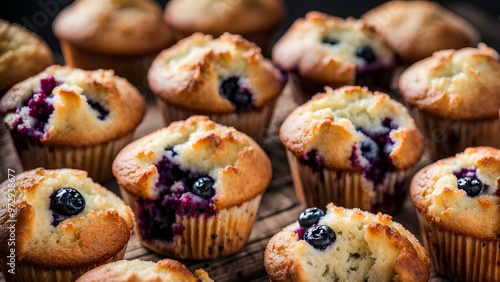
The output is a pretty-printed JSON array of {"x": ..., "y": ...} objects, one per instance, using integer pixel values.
[{"x": 37, "y": 15}]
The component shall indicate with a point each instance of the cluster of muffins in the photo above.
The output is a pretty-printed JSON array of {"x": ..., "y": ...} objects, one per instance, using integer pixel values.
[{"x": 192, "y": 189}]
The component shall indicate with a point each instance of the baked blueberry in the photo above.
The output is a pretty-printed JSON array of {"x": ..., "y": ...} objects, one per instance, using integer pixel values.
[
  {"x": 320, "y": 236},
  {"x": 99, "y": 108},
  {"x": 310, "y": 217},
  {"x": 203, "y": 187},
  {"x": 369, "y": 148},
  {"x": 366, "y": 53},
  {"x": 67, "y": 201},
  {"x": 330, "y": 41},
  {"x": 471, "y": 185},
  {"x": 313, "y": 160},
  {"x": 230, "y": 89}
]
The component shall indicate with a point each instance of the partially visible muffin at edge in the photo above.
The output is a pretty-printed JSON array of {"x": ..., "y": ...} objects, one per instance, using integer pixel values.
[
  {"x": 165, "y": 270},
  {"x": 68, "y": 117},
  {"x": 22, "y": 54},
  {"x": 65, "y": 224}
]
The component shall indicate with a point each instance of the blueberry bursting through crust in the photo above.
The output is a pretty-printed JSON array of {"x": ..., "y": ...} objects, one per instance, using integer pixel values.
[
  {"x": 231, "y": 89},
  {"x": 64, "y": 203},
  {"x": 468, "y": 181},
  {"x": 318, "y": 236},
  {"x": 180, "y": 192}
]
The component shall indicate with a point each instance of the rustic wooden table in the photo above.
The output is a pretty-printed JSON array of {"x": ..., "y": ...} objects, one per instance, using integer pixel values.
[{"x": 279, "y": 206}]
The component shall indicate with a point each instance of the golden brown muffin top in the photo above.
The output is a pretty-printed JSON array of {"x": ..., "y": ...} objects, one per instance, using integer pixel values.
[
  {"x": 75, "y": 120},
  {"x": 216, "y": 17},
  {"x": 190, "y": 73},
  {"x": 329, "y": 123},
  {"x": 165, "y": 270},
  {"x": 416, "y": 29},
  {"x": 436, "y": 194},
  {"x": 367, "y": 246},
  {"x": 303, "y": 48},
  {"x": 22, "y": 54},
  {"x": 94, "y": 235},
  {"x": 240, "y": 168},
  {"x": 115, "y": 27},
  {"x": 455, "y": 84}
]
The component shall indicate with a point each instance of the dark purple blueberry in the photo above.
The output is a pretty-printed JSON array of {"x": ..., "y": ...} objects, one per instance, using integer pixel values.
[
  {"x": 313, "y": 160},
  {"x": 67, "y": 201},
  {"x": 369, "y": 149},
  {"x": 48, "y": 84},
  {"x": 99, "y": 108},
  {"x": 330, "y": 41},
  {"x": 204, "y": 187},
  {"x": 40, "y": 108},
  {"x": 471, "y": 185},
  {"x": 320, "y": 236},
  {"x": 310, "y": 217},
  {"x": 366, "y": 53},
  {"x": 239, "y": 96},
  {"x": 300, "y": 232}
]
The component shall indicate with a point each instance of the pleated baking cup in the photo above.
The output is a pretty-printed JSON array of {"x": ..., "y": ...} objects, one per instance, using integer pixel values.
[
  {"x": 132, "y": 67},
  {"x": 349, "y": 189},
  {"x": 459, "y": 257},
  {"x": 445, "y": 138},
  {"x": 95, "y": 159},
  {"x": 204, "y": 237},
  {"x": 25, "y": 272},
  {"x": 254, "y": 123}
]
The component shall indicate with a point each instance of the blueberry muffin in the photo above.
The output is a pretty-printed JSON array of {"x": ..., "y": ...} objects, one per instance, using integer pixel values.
[
  {"x": 195, "y": 187},
  {"x": 416, "y": 29},
  {"x": 64, "y": 225},
  {"x": 453, "y": 96},
  {"x": 122, "y": 35},
  {"x": 226, "y": 78},
  {"x": 345, "y": 245},
  {"x": 458, "y": 204},
  {"x": 255, "y": 20},
  {"x": 22, "y": 54},
  {"x": 321, "y": 50},
  {"x": 351, "y": 147},
  {"x": 165, "y": 270},
  {"x": 65, "y": 117}
]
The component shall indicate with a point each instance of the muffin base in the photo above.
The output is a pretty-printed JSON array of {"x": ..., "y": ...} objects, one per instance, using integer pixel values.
[
  {"x": 445, "y": 138},
  {"x": 133, "y": 68},
  {"x": 204, "y": 237},
  {"x": 25, "y": 272},
  {"x": 254, "y": 123},
  {"x": 96, "y": 159},
  {"x": 458, "y": 256},
  {"x": 349, "y": 189}
]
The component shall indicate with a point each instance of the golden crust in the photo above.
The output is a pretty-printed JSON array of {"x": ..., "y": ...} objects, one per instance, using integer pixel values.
[
  {"x": 416, "y": 29},
  {"x": 301, "y": 48},
  {"x": 456, "y": 84},
  {"x": 22, "y": 54},
  {"x": 71, "y": 110},
  {"x": 116, "y": 27},
  {"x": 213, "y": 17},
  {"x": 187, "y": 74},
  {"x": 332, "y": 117},
  {"x": 95, "y": 235},
  {"x": 435, "y": 194},
  {"x": 394, "y": 252},
  {"x": 240, "y": 167},
  {"x": 167, "y": 270}
]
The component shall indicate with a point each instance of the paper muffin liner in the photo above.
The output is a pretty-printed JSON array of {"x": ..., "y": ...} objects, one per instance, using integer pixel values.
[
  {"x": 133, "y": 68},
  {"x": 96, "y": 159},
  {"x": 25, "y": 272},
  {"x": 204, "y": 237},
  {"x": 254, "y": 123},
  {"x": 460, "y": 257},
  {"x": 445, "y": 138},
  {"x": 349, "y": 189}
]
